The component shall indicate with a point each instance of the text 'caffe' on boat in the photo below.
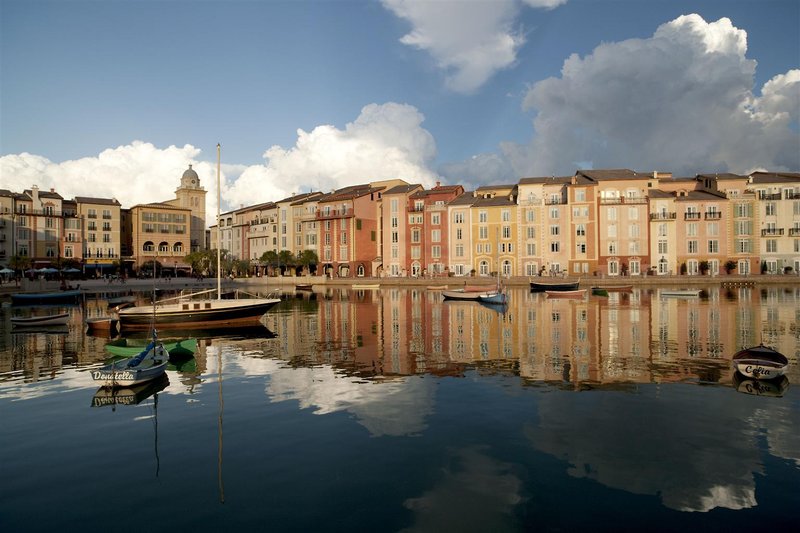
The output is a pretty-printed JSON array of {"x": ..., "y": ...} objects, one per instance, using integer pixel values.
[
  {"x": 760, "y": 362},
  {"x": 191, "y": 311}
]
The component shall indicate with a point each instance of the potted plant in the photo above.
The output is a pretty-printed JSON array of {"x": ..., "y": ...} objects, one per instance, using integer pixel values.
[{"x": 730, "y": 266}]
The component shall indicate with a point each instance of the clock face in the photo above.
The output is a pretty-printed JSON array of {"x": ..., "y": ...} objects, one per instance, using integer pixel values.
[{"x": 192, "y": 182}]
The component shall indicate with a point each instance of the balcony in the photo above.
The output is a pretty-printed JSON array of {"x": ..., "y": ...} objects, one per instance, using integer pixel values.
[
  {"x": 773, "y": 196},
  {"x": 335, "y": 213},
  {"x": 436, "y": 207},
  {"x": 663, "y": 216},
  {"x": 618, "y": 200},
  {"x": 555, "y": 201},
  {"x": 713, "y": 215},
  {"x": 691, "y": 216},
  {"x": 771, "y": 232},
  {"x": 794, "y": 232}
]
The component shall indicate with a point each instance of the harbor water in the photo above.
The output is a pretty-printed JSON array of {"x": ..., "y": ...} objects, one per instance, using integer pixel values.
[{"x": 394, "y": 410}]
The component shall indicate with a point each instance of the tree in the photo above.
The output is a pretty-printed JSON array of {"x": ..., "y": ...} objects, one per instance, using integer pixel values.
[
  {"x": 270, "y": 259},
  {"x": 202, "y": 261},
  {"x": 307, "y": 258},
  {"x": 20, "y": 262},
  {"x": 704, "y": 266},
  {"x": 286, "y": 258}
]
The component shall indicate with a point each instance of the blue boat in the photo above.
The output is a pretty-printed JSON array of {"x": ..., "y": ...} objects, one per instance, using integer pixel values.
[{"x": 69, "y": 296}]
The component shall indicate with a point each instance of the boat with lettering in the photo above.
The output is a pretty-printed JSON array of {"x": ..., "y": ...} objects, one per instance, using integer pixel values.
[
  {"x": 58, "y": 319},
  {"x": 149, "y": 364},
  {"x": 133, "y": 395},
  {"x": 774, "y": 388},
  {"x": 760, "y": 362}
]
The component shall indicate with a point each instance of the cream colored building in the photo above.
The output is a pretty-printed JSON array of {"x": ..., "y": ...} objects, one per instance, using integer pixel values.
[
  {"x": 190, "y": 195},
  {"x": 160, "y": 232},
  {"x": 94, "y": 234}
]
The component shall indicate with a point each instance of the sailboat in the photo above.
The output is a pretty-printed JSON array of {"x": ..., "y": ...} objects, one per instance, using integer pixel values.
[{"x": 189, "y": 311}]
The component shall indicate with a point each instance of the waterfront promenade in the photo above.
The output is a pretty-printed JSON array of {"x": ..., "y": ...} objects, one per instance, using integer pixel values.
[{"x": 287, "y": 283}]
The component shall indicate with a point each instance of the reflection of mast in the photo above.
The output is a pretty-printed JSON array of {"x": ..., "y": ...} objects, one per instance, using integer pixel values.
[
  {"x": 155, "y": 428},
  {"x": 219, "y": 428}
]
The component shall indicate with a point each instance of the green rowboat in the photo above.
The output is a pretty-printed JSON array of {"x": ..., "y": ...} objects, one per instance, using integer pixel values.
[{"x": 132, "y": 347}]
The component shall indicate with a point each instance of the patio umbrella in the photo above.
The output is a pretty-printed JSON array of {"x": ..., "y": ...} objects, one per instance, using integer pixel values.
[
  {"x": 71, "y": 270},
  {"x": 6, "y": 270},
  {"x": 49, "y": 270}
]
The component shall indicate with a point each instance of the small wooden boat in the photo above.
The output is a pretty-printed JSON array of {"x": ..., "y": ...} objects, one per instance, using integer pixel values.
[
  {"x": 681, "y": 293},
  {"x": 436, "y": 287},
  {"x": 303, "y": 287},
  {"x": 462, "y": 294},
  {"x": 130, "y": 347},
  {"x": 118, "y": 300},
  {"x": 579, "y": 293},
  {"x": 544, "y": 286},
  {"x": 149, "y": 364},
  {"x": 366, "y": 286},
  {"x": 599, "y": 291},
  {"x": 760, "y": 362},
  {"x": 25, "y": 298},
  {"x": 615, "y": 288},
  {"x": 59, "y": 319}
]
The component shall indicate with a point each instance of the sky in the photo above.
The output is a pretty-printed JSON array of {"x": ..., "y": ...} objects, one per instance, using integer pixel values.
[{"x": 116, "y": 98}]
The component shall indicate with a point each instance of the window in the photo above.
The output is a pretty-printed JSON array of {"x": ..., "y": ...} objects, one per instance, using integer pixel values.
[
  {"x": 713, "y": 246},
  {"x": 633, "y": 213},
  {"x": 531, "y": 248},
  {"x": 662, "y": 230},
  {"x": 772, "y": 246},
  {"x": 691, "y": 247},
  {"x": 554, "y": 230},
  {"x": 506, "y": 215},
  {"x": 483, "y": 216},
  {"x": 436, "y": 219},
  {"x": 531, "y": 231},
  {"x": 506, "y": 232},
  {"x": 458, "y": 217},
  {"x": 459, "y": 250},
  {"x": 436, "y": 235},
  {"x": 530, "y": 215},
  {"x": 633, "y": 231},
  {"x": 769, "y": 209},
  {"x": 712, "y": 228},
  {"x": 581, "y": 248},
  {"x": 555, "y": 246},
  {"x": 611, "y": 213},
  {"x": 662, "y": 247},
  {"x": 553, "y": 212},
  {"x": 458, "y": 234},
  {"x": 394, "y": 237},
  {"x": 483, "y": 232},
  {"x": 436, "y": 251},
  {"x": 612, "y": 248},
  {"x": 580, "y": 195},
  {"x": 612, "y": 230},
  {"x": 580, "y": 230}
]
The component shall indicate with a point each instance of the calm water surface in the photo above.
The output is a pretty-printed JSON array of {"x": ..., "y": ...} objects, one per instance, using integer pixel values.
[{"x": 392, "y": 410}]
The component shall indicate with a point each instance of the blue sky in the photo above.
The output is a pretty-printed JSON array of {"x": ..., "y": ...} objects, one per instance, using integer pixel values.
[{"x": 120, "y": 96}]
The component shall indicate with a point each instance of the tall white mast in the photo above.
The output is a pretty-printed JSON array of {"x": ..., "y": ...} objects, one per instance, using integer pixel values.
[{"x": 219, "y": 234}]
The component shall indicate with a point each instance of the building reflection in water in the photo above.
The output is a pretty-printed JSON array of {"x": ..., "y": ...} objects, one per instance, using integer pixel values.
[{"x": 629, "y": 337}]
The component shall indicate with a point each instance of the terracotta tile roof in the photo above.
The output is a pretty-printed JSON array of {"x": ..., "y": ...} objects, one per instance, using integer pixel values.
[{"x": 99, "y": 201}]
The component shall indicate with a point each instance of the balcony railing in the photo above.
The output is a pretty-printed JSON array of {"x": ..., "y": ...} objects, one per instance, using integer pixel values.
[
  {"x": 623, "y": 200},
  {"x": 436, "y": 207},
  {"x": 773, "y": 196},
  {"x": 691, "y": 216},
  {"x": 794, "y": 232},
  {"x": 772, "y": 232},
  {"x": 713, "y": 215},
  {"x": 663, "y": 216},
  {"x": 335, "y": 213},
  {"x": 554, "y": 201}
]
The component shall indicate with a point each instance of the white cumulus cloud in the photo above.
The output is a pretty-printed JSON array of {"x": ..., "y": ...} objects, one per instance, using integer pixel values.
[
  {"x": 135, "y": 173},
  {"x": 680, "y": 100},
  {"x": 384, "y": 142}
]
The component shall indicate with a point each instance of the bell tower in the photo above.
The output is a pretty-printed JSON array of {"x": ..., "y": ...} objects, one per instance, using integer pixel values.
[{"x": 191, "y": 195}]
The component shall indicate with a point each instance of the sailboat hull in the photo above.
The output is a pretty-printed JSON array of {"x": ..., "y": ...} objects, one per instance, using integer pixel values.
[{"x": 198, "y": 314}]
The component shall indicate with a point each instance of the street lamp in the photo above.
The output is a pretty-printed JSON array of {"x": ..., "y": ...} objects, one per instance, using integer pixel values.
[{"x": 176, "y": 269}]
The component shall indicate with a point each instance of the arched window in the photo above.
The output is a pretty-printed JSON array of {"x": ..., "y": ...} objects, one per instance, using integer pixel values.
[
  {"x": 360, "y": 272},
  {"x": 506, "y": 267},
  {"x": 483, "y": 268},
  {"x": 177, "y": 248},
  {"x": 163, "y": 247},
  {"x": 416, "y": 269},
  {"x": 148, "y": 246}
]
